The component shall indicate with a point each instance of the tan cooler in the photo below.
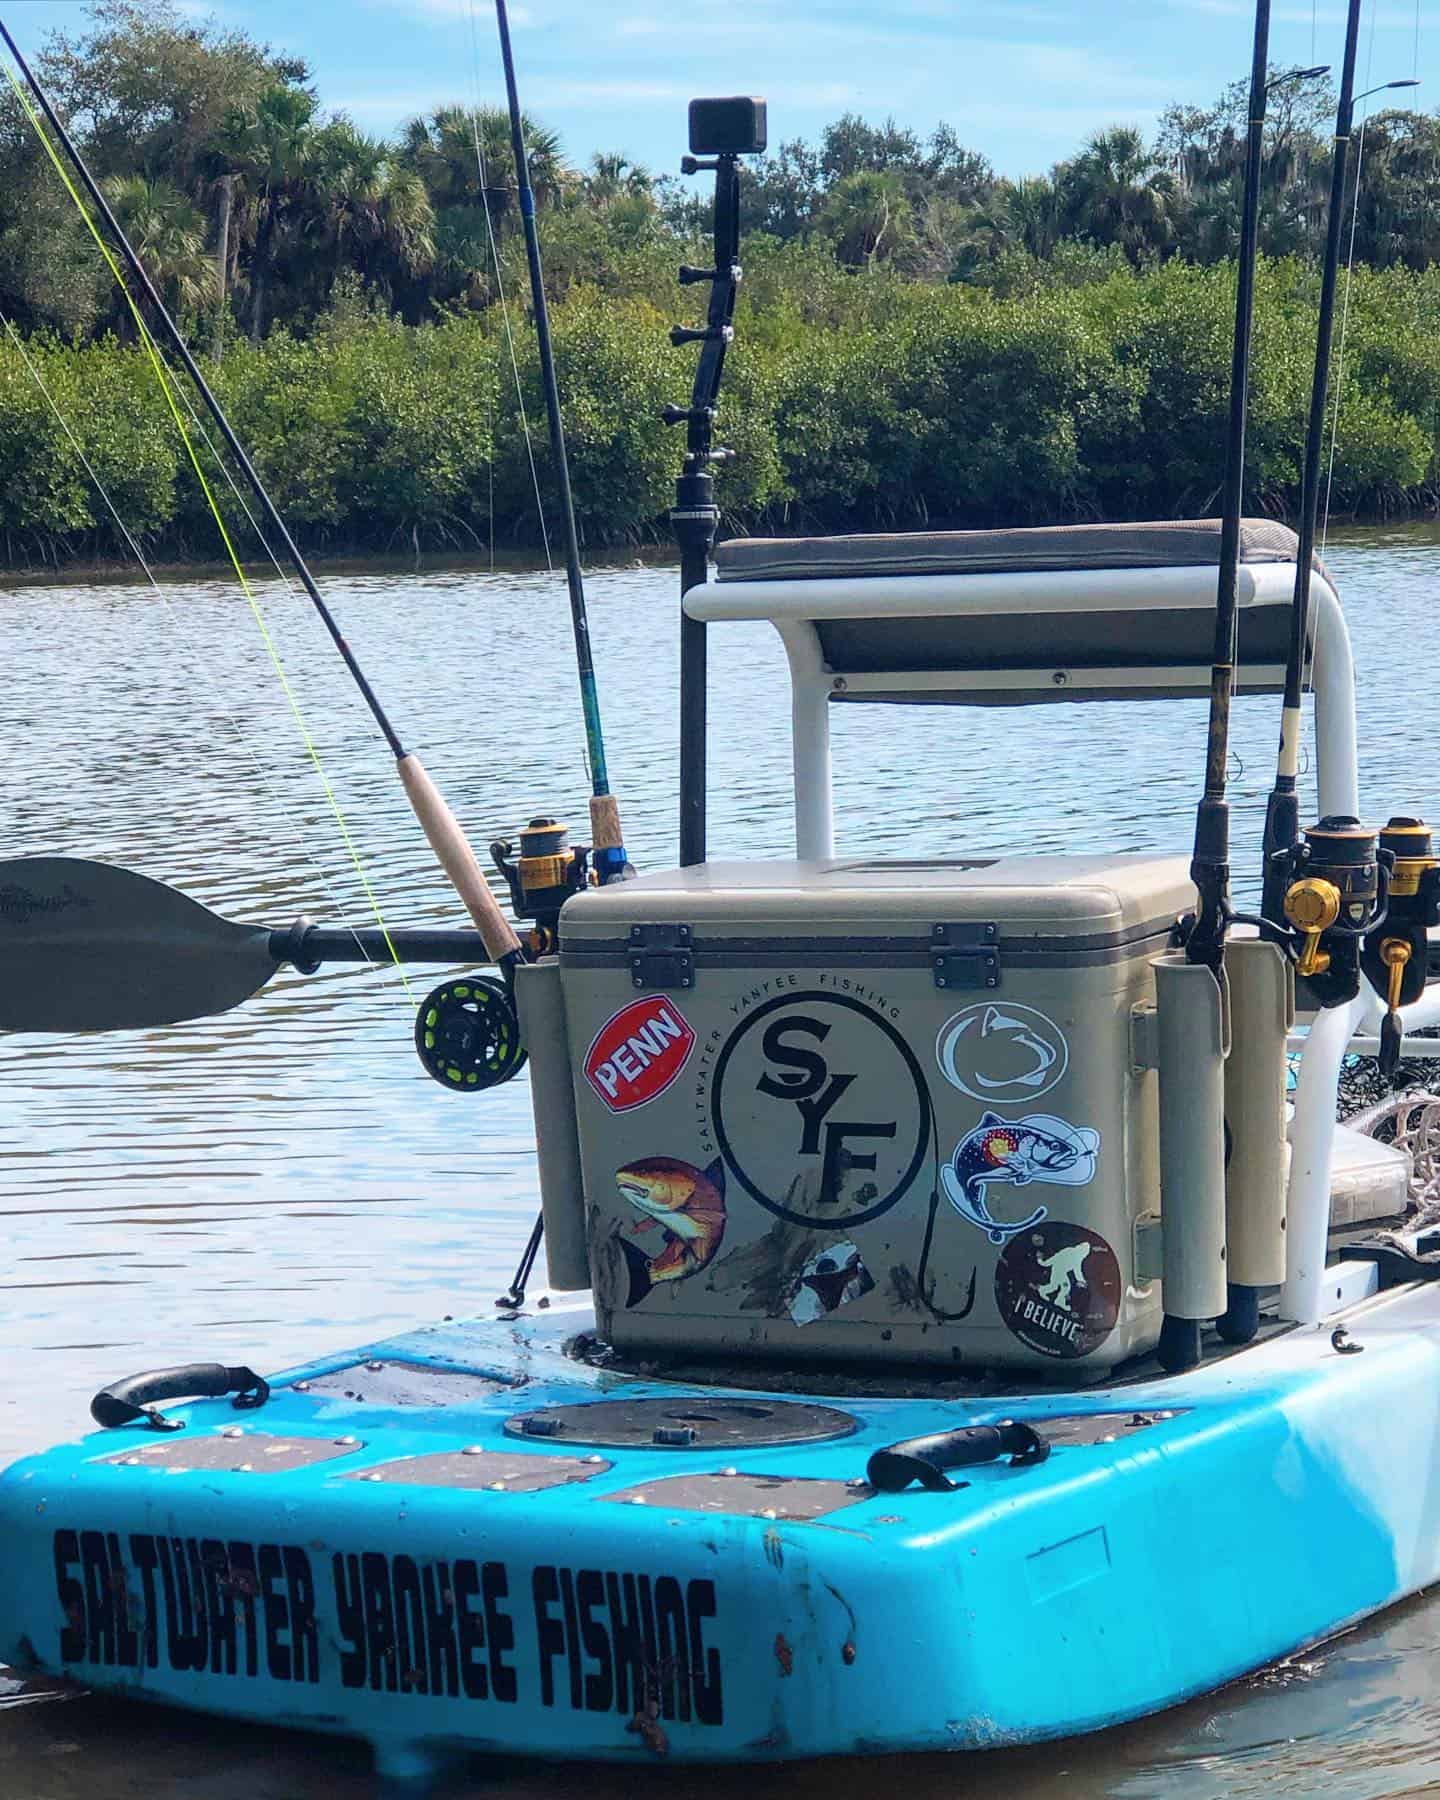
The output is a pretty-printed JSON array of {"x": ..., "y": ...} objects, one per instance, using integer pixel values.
[{"x": 870, "y": 1111}]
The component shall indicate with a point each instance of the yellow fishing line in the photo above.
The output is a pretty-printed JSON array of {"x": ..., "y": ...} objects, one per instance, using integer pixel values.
[{"x": 162, "y": 375}]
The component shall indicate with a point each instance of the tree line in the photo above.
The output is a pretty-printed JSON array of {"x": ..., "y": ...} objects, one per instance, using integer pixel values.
[{"x": 919, "y": 339}]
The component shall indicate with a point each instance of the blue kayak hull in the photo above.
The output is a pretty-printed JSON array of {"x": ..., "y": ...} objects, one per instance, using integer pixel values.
[{"x": 751, "y": 1604}]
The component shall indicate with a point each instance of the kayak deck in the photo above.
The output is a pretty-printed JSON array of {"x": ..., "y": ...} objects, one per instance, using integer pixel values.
[{"x": 389, "y": 1549}]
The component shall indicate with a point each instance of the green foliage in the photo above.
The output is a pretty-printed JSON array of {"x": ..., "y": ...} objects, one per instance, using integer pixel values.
[
  {"x": 917, "y": 338},
  {"x": 850, "y": 401}
]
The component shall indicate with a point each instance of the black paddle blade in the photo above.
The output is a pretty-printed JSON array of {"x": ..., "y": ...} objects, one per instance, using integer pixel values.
[{"x": 86, "y": 947}]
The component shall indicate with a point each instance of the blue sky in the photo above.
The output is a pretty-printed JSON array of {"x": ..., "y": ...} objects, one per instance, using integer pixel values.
[{"x": 1021, "y": 80}]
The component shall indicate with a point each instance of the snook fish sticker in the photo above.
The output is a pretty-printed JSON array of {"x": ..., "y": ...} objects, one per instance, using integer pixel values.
[{"x": 1013, "y": 1153}]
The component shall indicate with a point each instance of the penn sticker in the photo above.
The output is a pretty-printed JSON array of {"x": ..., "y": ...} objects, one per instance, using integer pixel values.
[{"x": 638, "y": 1052}]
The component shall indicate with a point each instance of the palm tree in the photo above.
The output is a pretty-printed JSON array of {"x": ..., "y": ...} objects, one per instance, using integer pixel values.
[
  {"x": 867, "y": 215},
  {"x": 1117, "y": 191},
  {"x": 168, "y": 235},
  {"x": 376, "y": 213},
  {"x": 463, "y": 155},
  {"x": 614, "y": 177},
  {"x": 270, "y": 147}
]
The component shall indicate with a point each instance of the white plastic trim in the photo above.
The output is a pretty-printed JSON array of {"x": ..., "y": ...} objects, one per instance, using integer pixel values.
[{"x": 1312, "y": 1142}]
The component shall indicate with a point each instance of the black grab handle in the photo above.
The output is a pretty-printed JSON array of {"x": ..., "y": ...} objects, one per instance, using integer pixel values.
[
  {"x": 125, "y": 1401},
  {"x": 924, "y": 1459}
]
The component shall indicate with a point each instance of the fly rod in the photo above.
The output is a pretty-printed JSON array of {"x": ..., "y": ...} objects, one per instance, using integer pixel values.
[
  {"x": 439, "y": 823},
  {"x": 1210, "y": 864},
  {"x": 608, "y": 855}
]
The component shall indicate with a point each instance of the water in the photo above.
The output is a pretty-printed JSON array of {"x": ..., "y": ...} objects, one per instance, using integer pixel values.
[{"x": 284, "y": 1180}]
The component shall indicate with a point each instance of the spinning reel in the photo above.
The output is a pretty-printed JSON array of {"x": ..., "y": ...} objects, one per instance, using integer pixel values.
[
  {"x": 1336, "y": 890},
  {"x": 1361, "y": 903},
  {"x": 1395, "y": 956},
  {"x": 547, "y": 871}
]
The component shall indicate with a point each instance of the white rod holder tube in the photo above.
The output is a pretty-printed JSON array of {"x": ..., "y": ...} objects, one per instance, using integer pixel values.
[
  {"x": 1312, "y": 1144},
  {"x": 1191, "y": 1045},
  {"x": 1262, "y": 1010}
]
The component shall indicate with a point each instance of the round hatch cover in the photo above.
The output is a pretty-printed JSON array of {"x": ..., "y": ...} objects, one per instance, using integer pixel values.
[{"x": 686, "y": 1422}]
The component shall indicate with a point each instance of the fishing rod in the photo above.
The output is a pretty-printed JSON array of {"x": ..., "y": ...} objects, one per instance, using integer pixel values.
[
  {"x": 724, "y": 130},
  {"x": 608, "y": 853},
  {"x": 441, "y": 828},
  {"x": 1210, "y": 863},
  {"x": 1282, "y": 812},
  {"x": 1200, "y": 1016}
]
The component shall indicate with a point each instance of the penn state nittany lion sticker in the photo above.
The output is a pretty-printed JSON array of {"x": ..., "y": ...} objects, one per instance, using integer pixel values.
[
  {"x": 1058, "y": 1288},
  {"x": 1003, "y": 1055},
  {"x": 1013, "y": 1153}
]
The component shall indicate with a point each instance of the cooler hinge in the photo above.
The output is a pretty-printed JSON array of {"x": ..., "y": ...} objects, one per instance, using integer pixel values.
[
  {"x": 661, "y": 956},
  {"x": 965, "y": 956}
]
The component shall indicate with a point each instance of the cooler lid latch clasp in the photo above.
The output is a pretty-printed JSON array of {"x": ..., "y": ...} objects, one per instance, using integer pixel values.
[
  {"x": 965, "y": 956},
  {"x": 662, "y": 956}
]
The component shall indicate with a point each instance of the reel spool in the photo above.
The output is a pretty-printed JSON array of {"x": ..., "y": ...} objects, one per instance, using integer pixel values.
[
  {"x": 543, "y": 876},
  {"x": 467, "y": 1035}
]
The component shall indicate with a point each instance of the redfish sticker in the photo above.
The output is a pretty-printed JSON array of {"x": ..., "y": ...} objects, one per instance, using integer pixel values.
[
  {"x": 638, "y": 1052},
  {"x": 688, "y": 1205}
]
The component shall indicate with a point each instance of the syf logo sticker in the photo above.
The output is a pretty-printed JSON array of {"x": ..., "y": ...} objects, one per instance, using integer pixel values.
[{"x": 820, "y": 1109}]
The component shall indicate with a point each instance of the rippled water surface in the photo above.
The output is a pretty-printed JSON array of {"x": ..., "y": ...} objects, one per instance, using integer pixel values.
[{"x": 285, "y": 1179}]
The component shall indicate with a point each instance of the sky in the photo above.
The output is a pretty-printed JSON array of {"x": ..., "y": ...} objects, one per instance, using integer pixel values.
[{"x": 1023, "y": 81}]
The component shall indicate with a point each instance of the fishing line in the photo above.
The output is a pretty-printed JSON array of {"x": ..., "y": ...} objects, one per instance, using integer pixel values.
[
  {"x": 200, "y": 669},
  {"x": 293, "y": 592},
  {"x": 504, "y": 306},
  {"x": 439, "y": 823},
  {"x": 166, "y": 386}
]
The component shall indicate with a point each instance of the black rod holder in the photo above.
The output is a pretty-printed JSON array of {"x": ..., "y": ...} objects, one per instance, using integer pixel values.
[{"x": 695, "y": 516}]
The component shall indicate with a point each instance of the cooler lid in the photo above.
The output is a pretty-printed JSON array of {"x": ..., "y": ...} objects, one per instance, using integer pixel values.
[{"x": 1091, "y": 896}]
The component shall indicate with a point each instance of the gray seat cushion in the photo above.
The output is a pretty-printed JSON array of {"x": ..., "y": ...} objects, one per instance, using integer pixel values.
[{"x": 1173, "y": 543}]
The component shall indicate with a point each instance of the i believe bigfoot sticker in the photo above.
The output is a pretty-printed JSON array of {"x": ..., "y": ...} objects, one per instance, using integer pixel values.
[{"x": 1058, "y": 1288}]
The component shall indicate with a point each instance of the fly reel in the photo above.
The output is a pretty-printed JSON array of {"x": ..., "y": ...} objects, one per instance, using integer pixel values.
[{"x": 467, "y": 1035}]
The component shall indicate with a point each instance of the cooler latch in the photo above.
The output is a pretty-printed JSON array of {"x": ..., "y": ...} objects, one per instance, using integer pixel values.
[
  {"x": 965, "y": 956},
  {"x": 661, "y": 956}
]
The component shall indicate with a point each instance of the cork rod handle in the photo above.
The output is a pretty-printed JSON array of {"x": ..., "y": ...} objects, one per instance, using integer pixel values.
[{"x": 457, "y": 859}]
